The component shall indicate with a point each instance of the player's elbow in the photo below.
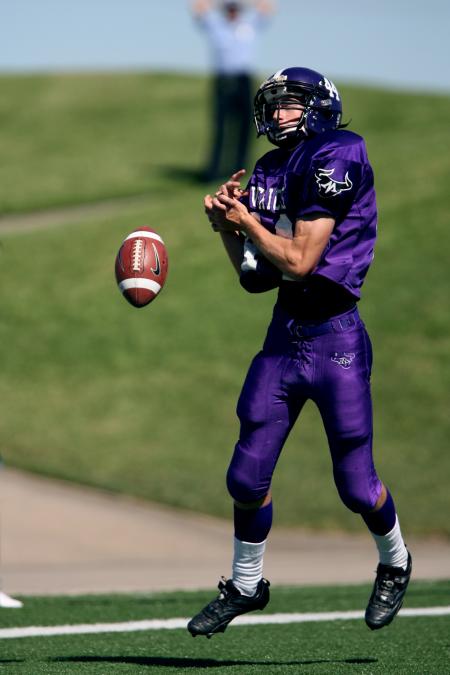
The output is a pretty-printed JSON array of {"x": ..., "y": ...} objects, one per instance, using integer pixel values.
[{"x": 297, "y": 268}]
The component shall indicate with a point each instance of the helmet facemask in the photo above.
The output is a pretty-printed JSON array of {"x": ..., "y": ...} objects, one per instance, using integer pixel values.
[{"x": 267, "y": 115}]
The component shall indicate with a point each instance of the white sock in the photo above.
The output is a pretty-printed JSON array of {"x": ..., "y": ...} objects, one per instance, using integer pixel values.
[
  {"x": 391, "y": 547},
  {"x": 247, "y": 565}
]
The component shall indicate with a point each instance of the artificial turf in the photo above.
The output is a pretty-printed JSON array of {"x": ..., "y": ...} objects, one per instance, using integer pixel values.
[{"x": 409, "y": 646}]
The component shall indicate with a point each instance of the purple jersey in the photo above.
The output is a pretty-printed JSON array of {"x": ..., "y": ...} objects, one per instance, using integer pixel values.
[{"x": 330, "y": 175}]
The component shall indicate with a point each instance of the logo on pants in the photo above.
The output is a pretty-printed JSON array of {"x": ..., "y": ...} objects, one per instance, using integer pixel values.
[{"x": 343, "y": 359}]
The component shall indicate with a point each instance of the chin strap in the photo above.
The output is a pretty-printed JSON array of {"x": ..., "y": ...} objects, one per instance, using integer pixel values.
[{"x": 290, "y": 140}]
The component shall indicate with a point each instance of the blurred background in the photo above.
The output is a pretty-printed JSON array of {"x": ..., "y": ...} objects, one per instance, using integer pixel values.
[
  {"x": 401, "y": 44},
  {"x": 105, "y": 125}
]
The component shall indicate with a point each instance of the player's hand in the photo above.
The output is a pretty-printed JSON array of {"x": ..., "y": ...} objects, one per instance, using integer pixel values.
[
  {"x": 215, "y": 215},
  {"x": 235, "y": 210},
  {"x": 233, "y": 184},
  {"x": 216, "y": 211},
  {"x": 232, "y": 188}
]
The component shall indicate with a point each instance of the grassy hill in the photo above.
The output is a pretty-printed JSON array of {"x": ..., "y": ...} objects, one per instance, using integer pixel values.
[{"x": 143, "y": 401}]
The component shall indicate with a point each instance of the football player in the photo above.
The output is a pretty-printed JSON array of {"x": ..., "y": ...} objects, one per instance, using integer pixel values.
[{"x": 305, "y": 223}]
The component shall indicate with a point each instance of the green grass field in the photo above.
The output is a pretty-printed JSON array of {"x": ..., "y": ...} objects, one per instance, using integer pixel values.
[
  {"x": 410, "y": 645},
  {"x": 143, "y": 401}
]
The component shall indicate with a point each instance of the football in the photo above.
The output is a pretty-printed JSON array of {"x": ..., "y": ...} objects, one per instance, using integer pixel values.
[{"x": 141, "y": 266}]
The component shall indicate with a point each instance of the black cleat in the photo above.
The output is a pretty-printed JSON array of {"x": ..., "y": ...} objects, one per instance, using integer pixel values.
[
  {"x": 387, "y": 595},
  {"x": 215, "y": 617}
]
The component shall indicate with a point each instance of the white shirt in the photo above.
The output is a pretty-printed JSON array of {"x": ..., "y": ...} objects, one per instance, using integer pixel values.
[{"x": 232, "y": 42}]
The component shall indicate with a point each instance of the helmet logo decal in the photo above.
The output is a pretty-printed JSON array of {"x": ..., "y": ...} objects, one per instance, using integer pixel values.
[
  {"x": 278, "y": 77},
  {"x": 331, "y": 88},
  {"x": 328, "y": 186}
]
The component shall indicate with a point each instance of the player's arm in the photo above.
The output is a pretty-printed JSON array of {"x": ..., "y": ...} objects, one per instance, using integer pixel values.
[
  {"x": 234, "y": 246},
  {"x": 295, "y": 257},
  {"x": 298, "y": 256},
  {"x": 232, "y": 239}
]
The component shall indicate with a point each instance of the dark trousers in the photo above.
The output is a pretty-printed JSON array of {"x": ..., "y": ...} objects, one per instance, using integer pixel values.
[{"x": 232, "y": 122}]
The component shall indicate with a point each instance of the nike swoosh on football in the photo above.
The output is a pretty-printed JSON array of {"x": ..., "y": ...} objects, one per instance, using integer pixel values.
[{"x": 157, "y": 269}]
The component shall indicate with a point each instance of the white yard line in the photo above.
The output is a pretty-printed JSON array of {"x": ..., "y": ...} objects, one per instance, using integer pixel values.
[{"x": 171, "y": 624}]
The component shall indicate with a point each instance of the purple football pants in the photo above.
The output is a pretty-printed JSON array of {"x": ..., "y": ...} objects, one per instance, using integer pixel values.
[{"x": 333, "y": 370}]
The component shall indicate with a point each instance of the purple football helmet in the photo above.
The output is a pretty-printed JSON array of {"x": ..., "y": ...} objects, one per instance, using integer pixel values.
[{"x": 317, "y": 95}]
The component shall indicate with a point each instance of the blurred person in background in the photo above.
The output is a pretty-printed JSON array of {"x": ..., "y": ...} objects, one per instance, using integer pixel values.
[
  {"x": 305, "y": 224},
  {"x": 231, "y": 29}
]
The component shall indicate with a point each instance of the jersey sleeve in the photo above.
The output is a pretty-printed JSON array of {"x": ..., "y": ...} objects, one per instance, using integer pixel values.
[{"x": 329, "y": 187}]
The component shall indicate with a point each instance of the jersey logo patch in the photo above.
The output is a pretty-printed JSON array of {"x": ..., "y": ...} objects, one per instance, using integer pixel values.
[
  {"x": 328, "y": 186},
  {"x": 343, "y": 359}
]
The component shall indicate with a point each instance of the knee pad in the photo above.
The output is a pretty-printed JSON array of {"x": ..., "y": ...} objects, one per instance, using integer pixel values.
[
  {"x": 354, "y": 473},
  {"x": 359, "y": 494},
  {"x": 356, "y": 503},
  {"x": 243, "y": 487}
]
